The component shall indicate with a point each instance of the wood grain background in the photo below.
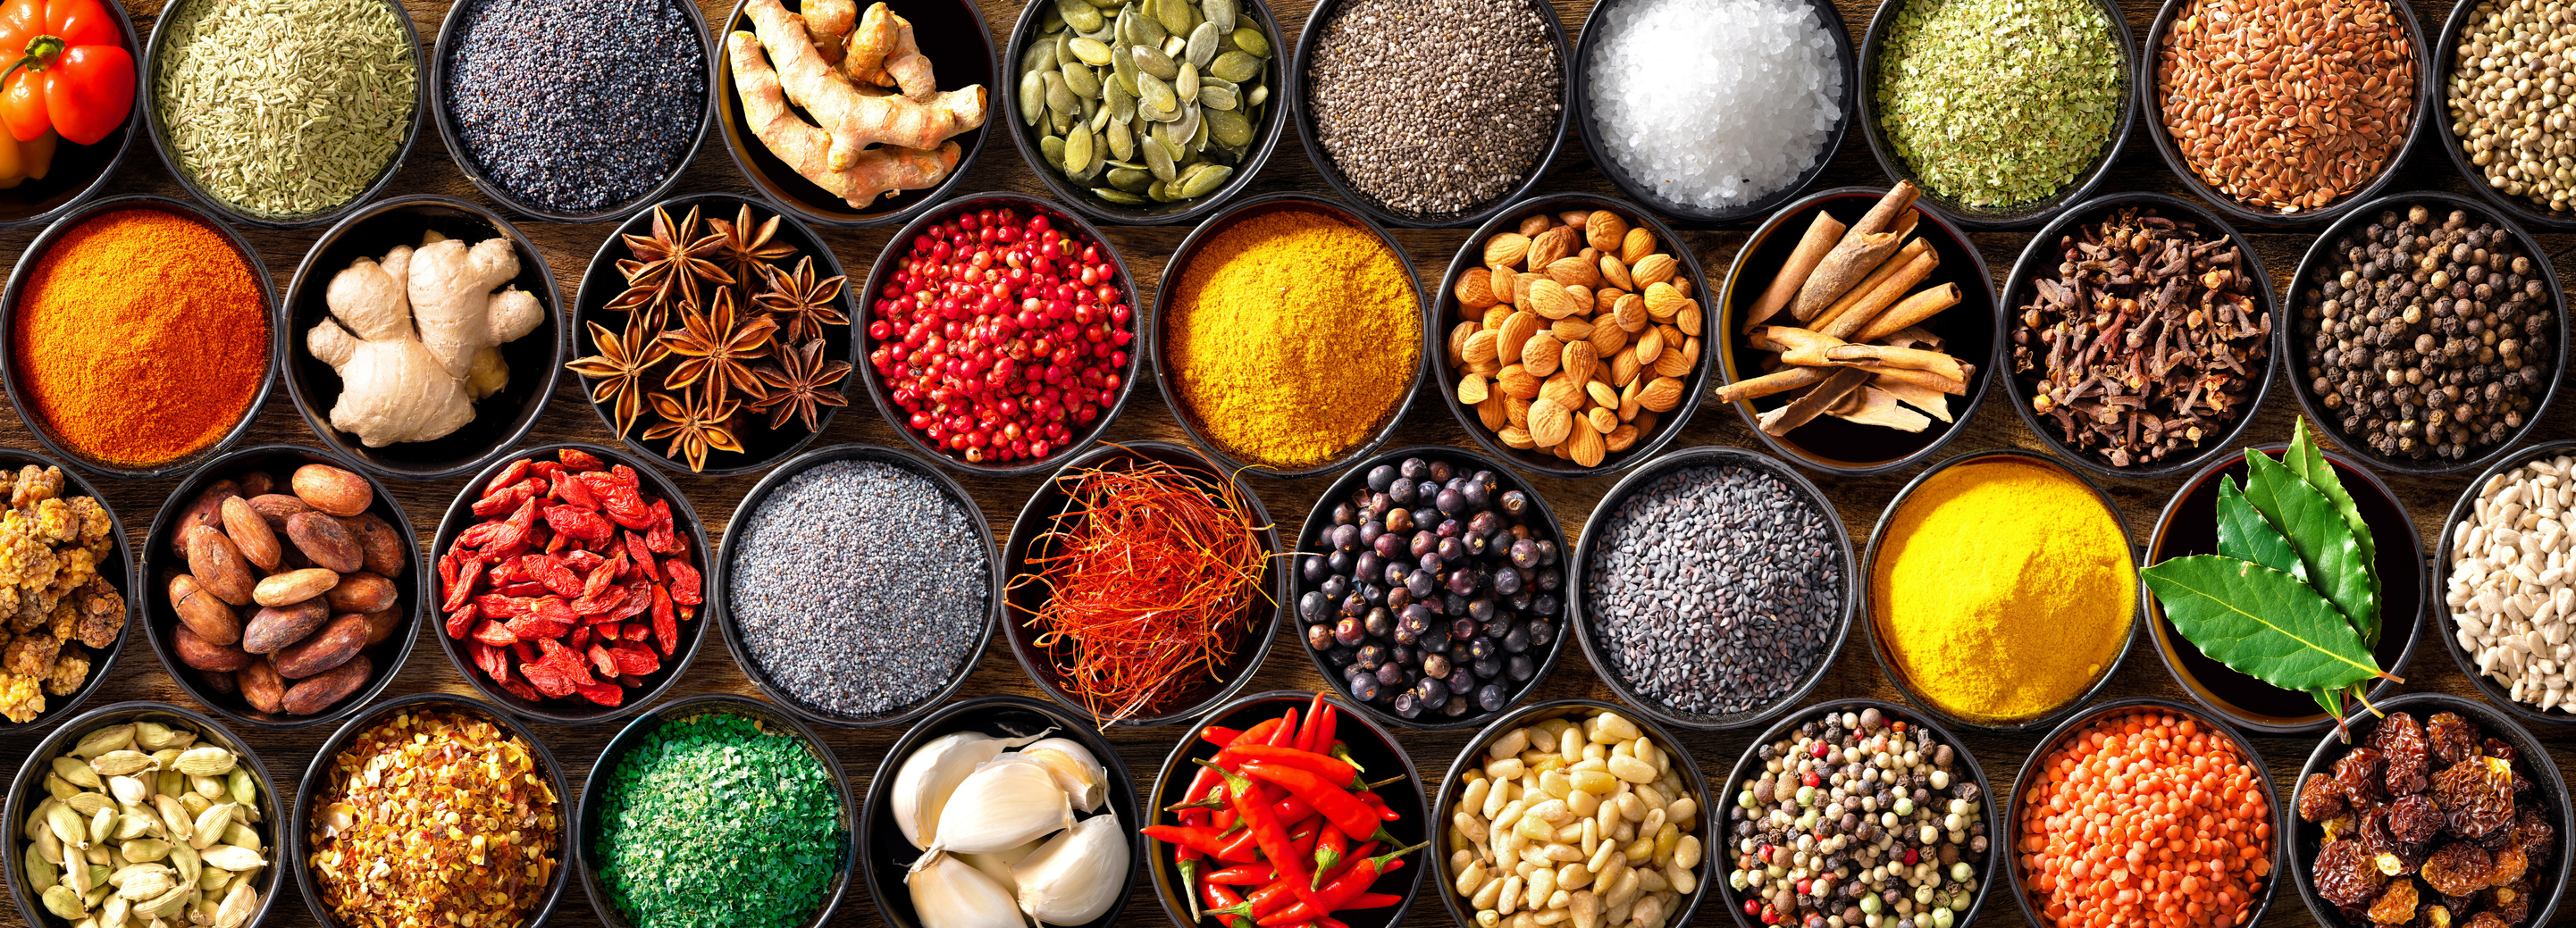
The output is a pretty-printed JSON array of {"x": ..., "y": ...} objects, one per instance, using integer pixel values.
[{"x": 568, "y": 247}]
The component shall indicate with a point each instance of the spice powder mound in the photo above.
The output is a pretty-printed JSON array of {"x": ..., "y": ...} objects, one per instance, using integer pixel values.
[{"x": 435, "y": 819}]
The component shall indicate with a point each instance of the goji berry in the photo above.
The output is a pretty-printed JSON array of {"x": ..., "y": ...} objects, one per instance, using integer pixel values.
[
  {"x": 509, "y": 475},
  {"x": 577, "y": 460}
]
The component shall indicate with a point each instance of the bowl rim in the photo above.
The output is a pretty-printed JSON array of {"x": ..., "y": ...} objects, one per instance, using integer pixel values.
[
  {"x": 1175, "y": 272},
  {"x": 1723, "y": 313},
  {"x": 2445, "y": 61},
  {"x": 586, "y": 856},
  {"x": 21, "y": 277},
  {"x": 720, "y": 581},
  {"x": 459, "y": 516},
  {"x": 185, "y": 492},
  {"x": 1266, "y": 143},
  {"x": 1263, "y": 634},
  {"x": 2445, "y": 624},
  {"x": 889, "y": 258},
  {"x": 1319, "y": 517},
  {"x": 1614, "y": 501},
  {"x": 2167, "y": 649},
  {"x": 308, "y": 273},
  {"x": 1878, "y": 537},
  {"x": 474, "y": 174},
  {"x": 134, "y": 43},
  {"x": 2143, "y": 94},
  {"x": 61, "y": 707},
  {"x": 147, "y": 99},
  {"x": 2313, "y": 261}
]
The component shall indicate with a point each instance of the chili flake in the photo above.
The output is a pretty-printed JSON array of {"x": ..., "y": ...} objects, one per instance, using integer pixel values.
[
  {"x": 435, "y": 819},
  {"x": 716, "y": 822}
]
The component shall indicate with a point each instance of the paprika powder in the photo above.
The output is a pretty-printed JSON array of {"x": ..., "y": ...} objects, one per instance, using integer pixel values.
[{"x": 141, "y": 338}]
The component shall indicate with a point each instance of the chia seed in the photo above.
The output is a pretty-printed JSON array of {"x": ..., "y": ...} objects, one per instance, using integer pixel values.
[
  {"x": 1435, "y": 106},
  {"x": 859, "y": 587},
  {"x": 576, "y": 106}
]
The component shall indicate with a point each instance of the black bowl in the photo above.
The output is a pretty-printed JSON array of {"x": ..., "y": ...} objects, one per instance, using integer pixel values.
[
  {"x": 2151, "y": 116},
  {"x": 1006, "y": 109},
  {"x": 2321, "y": 255},
  {"x": 891, "y": 260},
  {"x": 118, "y": 567},
  {"x": 448, "y": 130},
  {"x": 1319, "y": 518},
  {"x": 2018, "y": 216},
  {"x": 1368, "y": 741},
  {"x": 1788, "y": 728},
  {"x": 1644, "y": 192},
  {"x": 601, "y": 283},
  {"x": 80, "y": 172},
  {"x": 1023, "y": 600},
  {"x": 2189, "y": 525},
  {"x": 1447, "y": 314},
  {"x": 575, "y": 710},
  {"x": 147, "y": 99},
  {"x": 586, "y": 821},
  {"x": 2037, "y": 257},
  {"x": 2306, "y": 838},
  {"x": 536, "y": 360},
  {"x": 884, "y": 852},
  {"x": 1369, "y": 206},
  {"x": 2031, "y": 768},
  {"x": 1608, "y": 508},
  {"x": 161, "y": 562},
  {"x": 1832, "y": 445},
  {"x": 1178, "y": 268},
  {"x": 296, "y": 844},
  {"x": 2443, "y": 621},
  {"x": 2445, "y": 59},
  {"x": 951, "y": 34},
  {"x": 20, "y": 278},
  {"x": 29, "y": 787},
  {"x": 721, "y": 579}
]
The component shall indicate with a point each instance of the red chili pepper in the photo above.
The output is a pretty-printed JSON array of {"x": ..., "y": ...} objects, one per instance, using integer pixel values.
[
  {"x": 1333, "y": 771},
  {"x": 1328, "y": 852},
  {"x": 1201, "y": 839},
  {"x": 1243, "y": 845},
  {"x": 1187, "y": 861},
  {"x": 1245, "y": 875},
  {"x": 1343, "y": 890},
  {"x": 1266, "y": 830},
  {"x": 1279, "y": 894},
  {"x": 1206, "y": 779},
  {"x": 1347, "y": 812},
  {"x": 1324, "y": 731},
  {"x": 1327, "y": 921},
  {"x": 1218, "y": 735},
  {"x": 1220, "y": 897},
  {"x": 1314, "y": 711}
]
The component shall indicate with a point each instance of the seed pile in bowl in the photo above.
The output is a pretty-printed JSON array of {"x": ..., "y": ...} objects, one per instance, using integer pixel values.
[
  {"x": 715, "y": 819},
  {"x": 407, "y": 799},
  {"x": 175, "y": 821},
  {"x": 624, "y": 89},
  {"x": 2146, "y": 817},
  {"x": 2513, "y": 76},
  {"x": 1435, "y": 106},
  {"x": 2509, "y": 586},
  {"x": 1856, "y": 819},
  {"x": 1552, "y": 788},
  {"x": 2433, "y": 822},
  {"x": 63, "y": 610},
  {"x": 342, "y": 68},
  {"x": 1119, "y": 95},
  {"x": 2058, "y": 85},
  {"x": 2287, "y": 105},
  {"x": 1715, "y": 103}
]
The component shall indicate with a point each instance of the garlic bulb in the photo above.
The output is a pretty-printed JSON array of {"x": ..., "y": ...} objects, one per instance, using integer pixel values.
[
  {"x": 1075, "y": 770},
  {"x": 1007, "y": 802},
  {"x": 999, "y": 863},
  {"x": 1077, "y": 875},
  {"x": 922, "y": 786},
  {"x": 949, "y": 893}
]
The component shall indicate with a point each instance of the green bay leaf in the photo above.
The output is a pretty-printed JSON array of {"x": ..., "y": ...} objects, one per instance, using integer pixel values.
[
  {"x": 2324, "y": 543},
  {"x": 2245, "y": 535},
  {"x": 2261, "y": 622},
  {"x": 2310, "y": 464}
]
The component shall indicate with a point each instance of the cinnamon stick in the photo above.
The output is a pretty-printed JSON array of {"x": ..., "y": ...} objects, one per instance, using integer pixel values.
[
  {"x": 1820, "y": 238},
  {"x": 1863, "y": 246},
  {"x": 1912, "y": 312},
  {"x": 1913, "y": 336},
  {"x": 1780, "y": 381},
  {"x": 1879, "y": 298},
  {"x": 1799, "y": 346},
  {"x": 1880, "y": 408},
  {"x": 1875, "y": 357},
  {"x": 1894, "y": 265},
  {"x": 1812, "y": 403},
  {"x": 1929, "y": 380},
  {"x": 1916, "y": 395}
]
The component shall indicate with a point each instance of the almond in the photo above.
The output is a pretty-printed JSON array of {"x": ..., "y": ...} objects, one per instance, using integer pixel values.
[
  {"x": 1535, "y": 224},
  {"x": 1517, "y": 381},
  {"x": 1624, "y": 366},
  {"x": 1506, "y": 249},
  {"x": 1516, "y": 411},
  {"x": 1601, "y": 419},
  {"x": 1584, "y": 446},
  {"x": 1645, "y": 422},
  {"x": 1662, "y": 301},
  {"x": 1652, "y": 269},
  {"x": 1636, "y": 246},
  {"x": 1472, "y": 289},
  {"x": 1606, "y": 230},
  {"x": 1552, "y": 244},
  {"x": 1571, "y": 329},
  {"x": 1495, "y": 314},
  {"x": 1571, "y": 271},
  {"x": 1515, "y": 333},
  {"x": 1602, "y": 394},
  {"x": 1676, "y": 363},
  {"x": 1682, "y": 285},
  {"x": 1479, "y": 347},
  {"x": 1485, "y": 368},
  {"x": 1661, "y": 394},
  {"x": 1687, "y": 318},
  {"x": 1550, "y": 300},
  {"x": 1650, "y": 346},
  {"x": 1607, "y": 339},
  {"x": 1629, "y": 312},
  {"x": 1575, "y": 218},
  {"x": 1549, "y": 422},
  {"x": 1521, "y": 288},
  {"x": 1498, "y": 281},
  {"x": 1491, "y": 413},
  {"x": 1563, "y": 391},
  {"x": 1458, "y": 343},
  {"x": 1615, "y": 273},
  {"x": 1541, "y": 354},
  {"x": 1582, "y": 297},
  {"x": 1472, "y": 390},
  {"x": 1620, "y": 439},
  {"x": 1578, "y": 360},
  {"x": 1514, "y": 436}
]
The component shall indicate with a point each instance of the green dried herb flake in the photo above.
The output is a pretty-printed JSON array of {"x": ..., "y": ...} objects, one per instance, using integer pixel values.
[
  {"x": 711, "y": 822},
  {"x": 1996, "y": 103}
]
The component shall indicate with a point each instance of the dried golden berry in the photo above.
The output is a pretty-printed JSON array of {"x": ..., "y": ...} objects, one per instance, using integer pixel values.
[
  {"x": 2319, "y": 800},
  {"x": 2396, "y": 906},
  {"x": 2344, "y": 874},
  {"x": 2458, "y": 869}
]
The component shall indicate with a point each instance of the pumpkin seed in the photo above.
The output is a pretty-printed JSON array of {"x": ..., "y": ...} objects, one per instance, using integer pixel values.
[
  {"x": 1158, "y": 159},
  {"x": 1092, "y": 53},
  {"x": 1050, "y": 19},
  {"x": 1132, "y": 181},
  {"x": 1032, "y": 98},
  {"x": 1058, "y": 96},
  {"x": 1252, "y": 42},
  {"x": 1083, "y": 81},
  {"x": 1258, "y": 96},
  {"x": 1149, "y": 29},
  {"x": 1227, "y": 127},
  {"x": 1202, "y": 45},
  {"x": 1218, "y": 98},
  {"x": 1122, "y": 139},
  {"x": 1148, "y": 120},
  {"x": 1052, "y": 149},
  {"x": 1152, "y": 61},
  {"x": 1159, "y": 193},
  {"x": 1158, "y": 97},
  {"x": 1218, "y": 13},
  {"x": 1078, "y": 14},
  {"x": 1203, "y": 180},
  {"x": 1078, "y": 152},
  {"x": 1235, "y": 66},
  {"x": 1122, "y": 66},
  {"x": 1175, "y": 46},
  {"x": 1186, "y": 86},
  {"x": 1115, "y": 195},
  {"x": 1176, "y": 15}
]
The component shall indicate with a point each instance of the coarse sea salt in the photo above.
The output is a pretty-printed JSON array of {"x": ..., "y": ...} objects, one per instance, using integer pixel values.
[{"x": 1714, "y": 103}]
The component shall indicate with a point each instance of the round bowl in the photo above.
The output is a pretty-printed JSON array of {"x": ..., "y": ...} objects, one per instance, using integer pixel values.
[
  {"x": 1987, "y": 219},
  {"x": 891, "y": 260},
  {"x": 449, "y": 131},
  {"x": 575, "y": 710},
  {"x": 1643, "y": 192},
  {"x": 161, "y": 562},
  {"x": 1787, "y": 728},
  {"x": 2306, "y": 838},
  {"x": 1832, "y": 445},
  {"x": 2444, "y": 623},
  {"x": 1879, "y": 647},
  {"x": 1833, "y": 636},
  {"x": 721, "y": 578},
  {"x": 2037, "y": 258},
  {"x": 1023, "y": 600},
  {"x": 586, "y": 822},
  {"x": 2320, "y": 256},
  {"x": 147, "y": 98},
  {"x": 2445, "y": 61},
  {"x": 500, "y": 420},
  {"x": 1265, "y": 134},
  {"x": 20, "y": 278},
  {"x": 118, "y": 565},
  {"x": 2030, "y": 768},
  {"x": 296, "y": 845},
  {"x": 1370, "y": 743},
  {"x": 602, "y": 283},
  {"x": 2189, "y": 525},
  {"x": 29, "y": 789},
  {"x": 1378, "y": 213},
  {"x": 1178, "y": 268},
  {"x": 80, "y": 172},
  {"x": 951, "y": 35},
  {"x": 1446, "y": 314},
  {"x": 1319, "y": 519},
  {"x": 2151, "y": 116},
  {"x": 884, "y": 853}
]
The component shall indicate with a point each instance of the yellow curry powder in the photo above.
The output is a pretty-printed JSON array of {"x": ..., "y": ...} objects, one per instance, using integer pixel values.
[
  {"x": 2004, "y": 589},
  {"x": 1293, "y": 336}
]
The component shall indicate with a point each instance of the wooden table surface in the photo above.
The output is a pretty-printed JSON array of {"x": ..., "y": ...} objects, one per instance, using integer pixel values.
[{"x": 568, "y": 247}]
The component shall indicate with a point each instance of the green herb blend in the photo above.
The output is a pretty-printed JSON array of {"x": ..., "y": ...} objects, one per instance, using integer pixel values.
[
  {"x": 713, "y": 822},
  {"x": 1996, "y": 103}
]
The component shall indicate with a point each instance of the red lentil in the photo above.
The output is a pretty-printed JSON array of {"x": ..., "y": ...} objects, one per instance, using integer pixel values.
[
  {"x": 435, "y": 819},
  {"x": 2148, "y": 818}
]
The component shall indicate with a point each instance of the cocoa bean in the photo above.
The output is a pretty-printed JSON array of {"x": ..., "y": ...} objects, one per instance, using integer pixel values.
[
  {"x": 295, "y": 586},
  {"x": 275, "y": 507},
  {"x": 332, "y": 489},
  {"x": 334, "y": 645},
  {"x": 262, "y": 687},
  {"x": 381, "y": 625},
  {"x": 386, "y": 550},
  {"x": 208, "y": 509},
  {"x": 278, "y": 626},
  {"x": 321, "y": 692},
  {"x": 250, "y": 533},
  {"x": 361, "y": 592},
  {"x": 325, "y": 541},
  {"x": 200, "y": 610},
  {"x": 218, "y": 566},
  {"x": 197, "y": 652}
]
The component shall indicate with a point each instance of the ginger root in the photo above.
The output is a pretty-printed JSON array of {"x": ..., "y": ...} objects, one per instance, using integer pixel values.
[
  {"x": 864, "y": 141},
  {"x": 400, "y": 383}
]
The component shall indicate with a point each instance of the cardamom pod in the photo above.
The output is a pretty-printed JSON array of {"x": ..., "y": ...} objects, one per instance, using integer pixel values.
[
  {"x": 165, "y": 757},
  {"x": 131, "y": 825},
  {"x": 60, "y": 788},
  {"x": 195, "y": 804},
  {"x": 101, "y": 825},
  {"x": 88, "y": 804},
  {"x": 78, "y": 773},
  {"x": 212, "y": 880},
  {"x": 128, "y": 790},
  {"x": 48, "y": 846},
  {"x": 152, "y": 736},
  {"x": 120, "y": 763},
  {"x": 210, "y": 825},
  {"x": 185, "y": 860},
  {"x": 115, "y": 913},
  {"x": 145, "y": 850},
  {"x": 65, "y": 902},
  {"x": 202, "y": 911},
  {"x": 175, "y": 817},
  {"x": 237, "y": 906},
  {"x": 169, "y": 783},
  {"x": 102, "y": 741},
  {"x": 168, "y": 903},
  {"x": 148, "y": 884},
  {"x": 238, "y": 833},
  {"x": 78, "y": 875},
  {"x": 39, "y": 871},
  {"x": 245, "y": 790},
  {"x": 68, "y": 827},
  {"x": 232, "y": 857}
]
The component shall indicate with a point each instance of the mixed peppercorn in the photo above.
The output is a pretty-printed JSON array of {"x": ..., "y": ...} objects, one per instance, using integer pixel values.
[{"x": 1857, "y": 819}]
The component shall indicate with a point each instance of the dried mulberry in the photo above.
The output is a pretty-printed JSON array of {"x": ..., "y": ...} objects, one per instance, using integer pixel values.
[
  {"x": 2319, "y": 800},
  {"x": 2400, "y": 743},
  {"x": 2458, "y": 869},
  {"x": 2475, "y": 796},
  {"x": 2344, "y": 875},
  {"x": 2451, "y": 738},
  {"x": 2414, "y": 819},
  {"x": 2396, "y": 906},
  {"x": 2357, "y": 774}
]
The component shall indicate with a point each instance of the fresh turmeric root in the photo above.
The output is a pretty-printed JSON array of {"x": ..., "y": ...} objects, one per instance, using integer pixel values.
[
  {"x": 881, "y": 52},
  {"x": 878, "y": 171},
  {"x": 853, "y": 120}
]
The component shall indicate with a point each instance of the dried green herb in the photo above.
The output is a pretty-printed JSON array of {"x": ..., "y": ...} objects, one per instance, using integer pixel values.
[
  {"x": 1996, "y": 103},
  {"x": 285, "y": 107},
  {"x": 714, "y": 822}
]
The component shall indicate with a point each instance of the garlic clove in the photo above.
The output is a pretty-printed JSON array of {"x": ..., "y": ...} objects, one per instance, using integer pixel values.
[
  {"x": 923, "y": 785},
  {"x": 1075, "y": 769},
  {"x": 999, "y": 863},
  {"x": 949, "y": 893},
  {"x": 1007, "y": 802},
  {"x": 1075, "y": 877}
]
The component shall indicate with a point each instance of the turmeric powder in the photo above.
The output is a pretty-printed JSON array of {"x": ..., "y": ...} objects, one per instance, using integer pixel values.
[
  {"x": 1294, "y": 336},
  {"x": 2003, "y": 589}
]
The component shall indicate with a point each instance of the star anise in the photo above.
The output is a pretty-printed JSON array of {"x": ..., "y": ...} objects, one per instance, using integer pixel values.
[
  {"x": 748, "y": 249},
  {"x": 669, "y": 264},
  {"x": 801, "y": 382},
  {"x": 694, "y": 428},
  {"x": 717, "y": 348},
  {"x": 801, "y": 304},
  {"x": 619, "y": 369}
]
